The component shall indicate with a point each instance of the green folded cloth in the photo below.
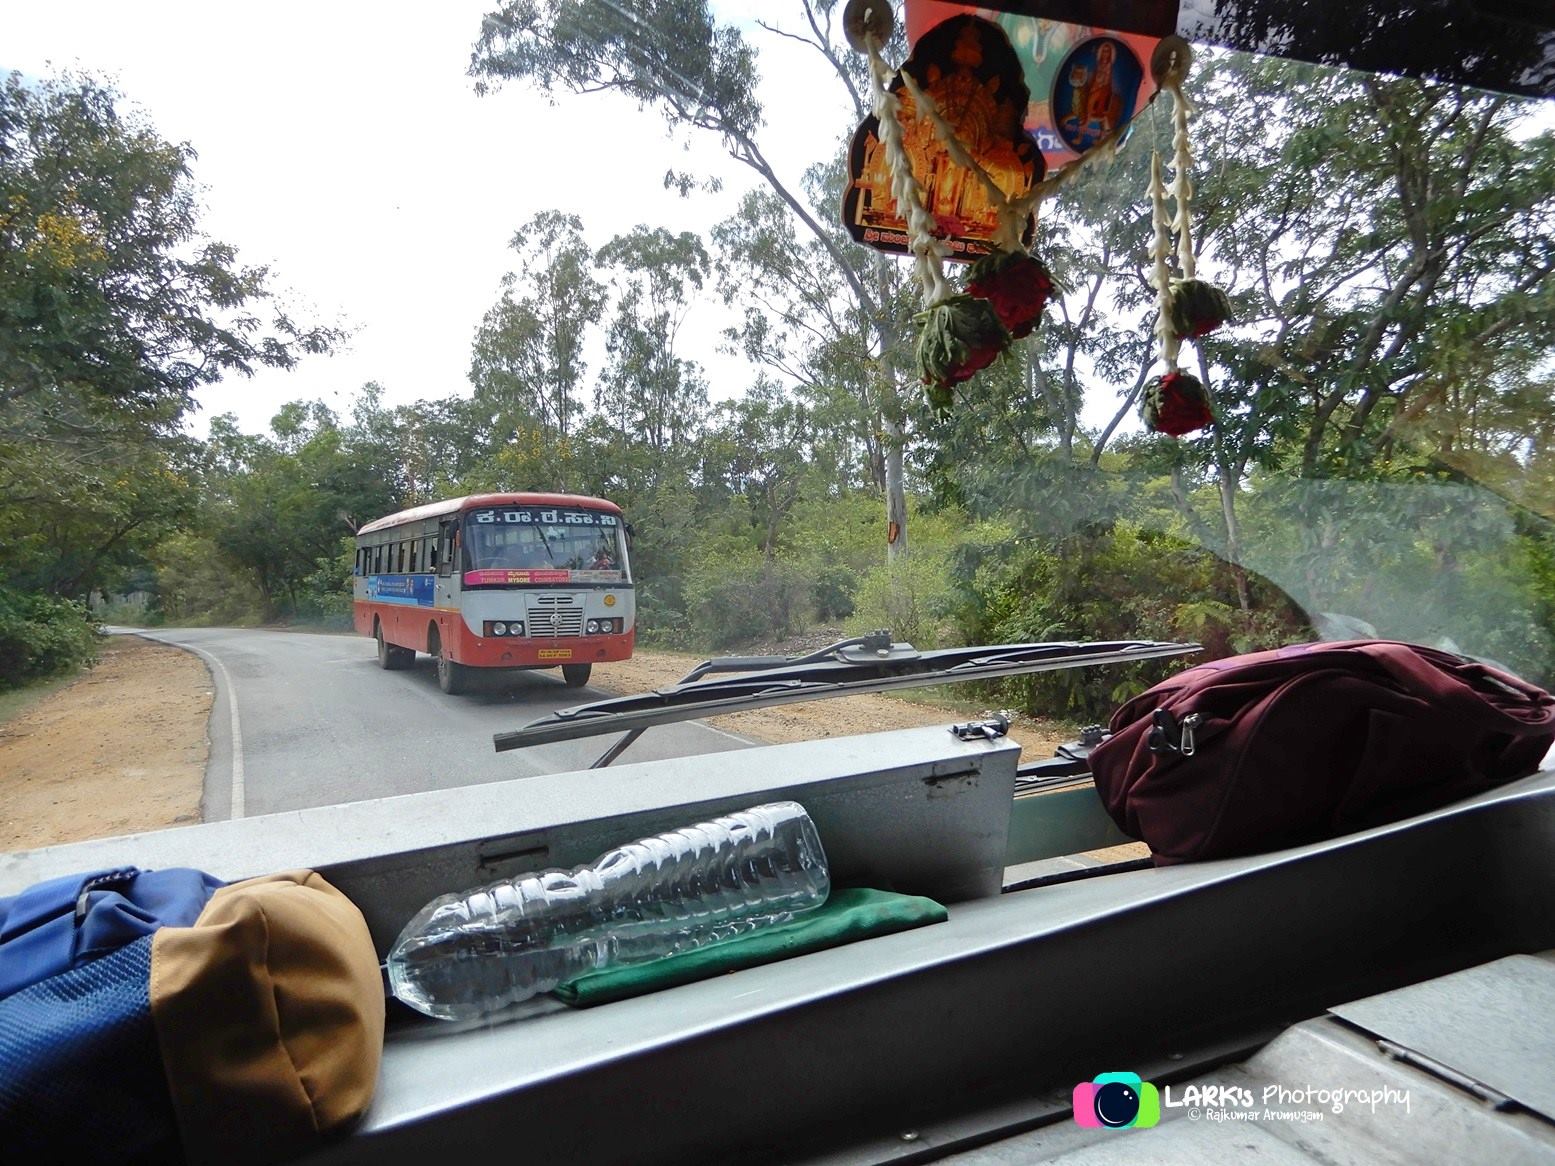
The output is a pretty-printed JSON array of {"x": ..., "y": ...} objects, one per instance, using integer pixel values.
[{"x": 849, "y": 914}]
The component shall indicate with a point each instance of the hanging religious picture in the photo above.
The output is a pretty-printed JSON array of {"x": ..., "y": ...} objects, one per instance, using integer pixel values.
[
  {"x": 1085, "y": 81},
  {"x": 967, "y": 68}
]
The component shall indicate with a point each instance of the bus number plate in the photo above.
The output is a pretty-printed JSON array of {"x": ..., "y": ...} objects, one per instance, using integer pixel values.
[{"x": 556, "y": 653}]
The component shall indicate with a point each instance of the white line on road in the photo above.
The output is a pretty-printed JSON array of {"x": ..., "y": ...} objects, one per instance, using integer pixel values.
[
  {"x": 232, "y": 708},
  {"x": 726, "y": 733}
]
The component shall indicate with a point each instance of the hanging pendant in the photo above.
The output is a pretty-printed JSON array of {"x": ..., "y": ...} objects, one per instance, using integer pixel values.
[{"x": 1175, "y": 403}]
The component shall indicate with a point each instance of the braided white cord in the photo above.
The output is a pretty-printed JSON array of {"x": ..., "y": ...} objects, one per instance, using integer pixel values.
[
  {"x": 1160, "y": 275},
  {"x": 928, "y": 250},
  {"x": 1182, "y": 181},
  {"x": 1008, "y": 235}
]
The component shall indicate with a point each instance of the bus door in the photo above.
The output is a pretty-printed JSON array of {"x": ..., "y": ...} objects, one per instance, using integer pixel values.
[{"x": 449, "y": 573}]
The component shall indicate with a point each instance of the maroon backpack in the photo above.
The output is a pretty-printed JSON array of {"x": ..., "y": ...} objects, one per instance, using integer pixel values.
[{"x": 1273, "y": 749}]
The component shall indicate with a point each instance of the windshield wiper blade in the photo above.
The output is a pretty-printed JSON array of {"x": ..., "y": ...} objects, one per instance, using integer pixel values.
[{"x": 865, "y": 665}]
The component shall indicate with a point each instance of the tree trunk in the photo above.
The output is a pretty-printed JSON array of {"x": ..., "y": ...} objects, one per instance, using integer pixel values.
[
  {"x": 1230, "y": 477},
  {"x": 895, "y": 494},
  {"x": 893, "y": 431}
]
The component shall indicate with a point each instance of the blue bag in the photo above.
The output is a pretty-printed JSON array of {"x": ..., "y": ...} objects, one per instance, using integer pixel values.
[
  {"x": 60, "y": 924},
  {"x": 80, "y": 1068},
  {"x": 167, "y": 1017}
]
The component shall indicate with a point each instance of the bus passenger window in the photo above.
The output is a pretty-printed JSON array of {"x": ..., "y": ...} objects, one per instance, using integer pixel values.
[{"x": 415, "y": 552}]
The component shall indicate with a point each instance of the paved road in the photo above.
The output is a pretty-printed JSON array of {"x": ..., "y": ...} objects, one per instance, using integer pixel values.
[{"x": 316, "y": 721}]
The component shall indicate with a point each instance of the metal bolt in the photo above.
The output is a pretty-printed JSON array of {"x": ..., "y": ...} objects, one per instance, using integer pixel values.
[{"x": 910, "y": 1135}]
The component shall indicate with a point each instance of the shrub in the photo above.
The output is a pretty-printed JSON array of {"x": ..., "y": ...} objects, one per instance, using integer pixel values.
[
  {"x": 833, "y": 590},
  {"x": 197, "y": 586},
  {"x": 736, "y": 598},
  {"x": 42, "y": 636},
  {"x": 1120, "y": 583},
  {"x": 915, "y": 598}
]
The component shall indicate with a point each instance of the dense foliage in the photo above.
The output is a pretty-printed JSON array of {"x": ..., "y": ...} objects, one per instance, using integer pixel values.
[
  {"x": 42, "y": 636},
  {"x": 1381, "y": 461}
]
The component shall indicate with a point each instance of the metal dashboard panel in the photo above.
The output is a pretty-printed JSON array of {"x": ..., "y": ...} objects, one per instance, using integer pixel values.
[
  {"x": 915, "y": 810},
  {"x": 1011, "y": 998},
  {"x": 1476, "y": 1023}
]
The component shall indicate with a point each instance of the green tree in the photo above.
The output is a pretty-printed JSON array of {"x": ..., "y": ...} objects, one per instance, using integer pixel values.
[
  {"x": 107, "y": 288},
  {"x": 674, "y": 56},
  {"x": 114, "y": 309},
  {"x": 280, "y": 504},
  {"x": 757, "y": 448},
  {"x": 528, "y": 366},
  {"x": 649, "y": 393}
]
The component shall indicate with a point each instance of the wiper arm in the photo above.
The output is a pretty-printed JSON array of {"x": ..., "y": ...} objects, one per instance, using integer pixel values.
[{"x": 869, "y": 664}]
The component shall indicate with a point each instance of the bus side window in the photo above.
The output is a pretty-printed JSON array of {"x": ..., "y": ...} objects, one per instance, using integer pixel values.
[
  {"x": 445, "y": 559},
  {"x": 399, "y": 558},
  {"x": 415, "y": 551}
]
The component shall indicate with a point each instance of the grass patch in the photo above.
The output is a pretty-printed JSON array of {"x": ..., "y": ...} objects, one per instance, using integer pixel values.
[{"x": 16, "y": 701}]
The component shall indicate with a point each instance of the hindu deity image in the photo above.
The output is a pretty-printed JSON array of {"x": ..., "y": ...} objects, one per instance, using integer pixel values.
[
  {"x": 967, "y": 67},
  {"x": 1096, "y": 91}
]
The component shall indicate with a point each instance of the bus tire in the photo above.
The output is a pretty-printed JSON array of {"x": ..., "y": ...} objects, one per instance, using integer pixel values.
[
  {"x": 391, "y": 657},
  {"x": 452, "y": 677},
  {"x": 576, "y": 675}
]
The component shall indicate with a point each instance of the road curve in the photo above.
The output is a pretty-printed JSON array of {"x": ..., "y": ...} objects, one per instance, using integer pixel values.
[{"x": 315, "y": 721}]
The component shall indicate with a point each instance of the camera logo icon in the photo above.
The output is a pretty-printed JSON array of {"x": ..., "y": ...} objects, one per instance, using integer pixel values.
[{"x": 1117, "y": 1101}]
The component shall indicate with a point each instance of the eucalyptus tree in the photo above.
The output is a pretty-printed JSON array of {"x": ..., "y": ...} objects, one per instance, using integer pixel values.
[
  {"x": 527, "y": 364},
  {"x": 756, "y": 449},
  {"x": 653, "y": 397},
  {"x": 799, "y": 320},
  {"x": 676, "y": 57}
]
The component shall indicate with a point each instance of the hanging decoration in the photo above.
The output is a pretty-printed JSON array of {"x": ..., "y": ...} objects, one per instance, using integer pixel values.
[
  {"x": 962, "y": 93},
  {"x": 960, "y": 96},
  {"x": 957, "y": 337},
  {"x": 946, "y": 168},
  {"x": 1016, "y": 285},
  {"x": 1176, "y": 402},
  {"x": 1087, "y": 82}
]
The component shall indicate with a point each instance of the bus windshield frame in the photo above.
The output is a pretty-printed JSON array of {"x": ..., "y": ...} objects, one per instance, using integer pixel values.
[{"x": 535, "y": 545}]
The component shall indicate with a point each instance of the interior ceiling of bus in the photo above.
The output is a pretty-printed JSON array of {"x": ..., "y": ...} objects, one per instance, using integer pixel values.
[{"x": 1503, "y": 45}]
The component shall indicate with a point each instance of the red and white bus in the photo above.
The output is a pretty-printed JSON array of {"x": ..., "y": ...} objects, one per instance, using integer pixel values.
[{"x": 498, "y": 581}]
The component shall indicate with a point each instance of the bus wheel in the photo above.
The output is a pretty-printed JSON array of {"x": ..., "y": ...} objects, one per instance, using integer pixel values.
[
  {"x": 452, "y": 678},
  {"x": 576, "y": 675},
  {"x": 391, "y": 657}
]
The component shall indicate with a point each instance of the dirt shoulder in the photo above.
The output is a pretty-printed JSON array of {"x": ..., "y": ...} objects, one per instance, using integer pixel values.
[
  {"x": 118, "y": 750},
  {"x": 123, "y": 747}
]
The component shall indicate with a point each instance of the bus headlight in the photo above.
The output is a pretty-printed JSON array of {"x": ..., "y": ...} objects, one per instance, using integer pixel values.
[
  {"x": 593, "y": 626},
  {"x": 499, "y": 629}
]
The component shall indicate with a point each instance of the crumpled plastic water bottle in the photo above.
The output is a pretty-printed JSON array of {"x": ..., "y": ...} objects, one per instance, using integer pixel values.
[{"x": 466, "y": 955}]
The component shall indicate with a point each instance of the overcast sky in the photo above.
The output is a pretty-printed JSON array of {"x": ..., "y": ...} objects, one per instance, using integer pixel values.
[{"x": 343, "y": 145}]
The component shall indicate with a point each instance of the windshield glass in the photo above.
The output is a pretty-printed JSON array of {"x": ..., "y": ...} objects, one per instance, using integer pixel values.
[
  {"x": 1271, "y": 364},
  {"x": 546, "y": 543}
]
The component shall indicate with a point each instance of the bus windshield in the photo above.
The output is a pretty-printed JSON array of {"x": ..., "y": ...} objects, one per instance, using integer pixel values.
[{"x": 588, "y": 545}]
